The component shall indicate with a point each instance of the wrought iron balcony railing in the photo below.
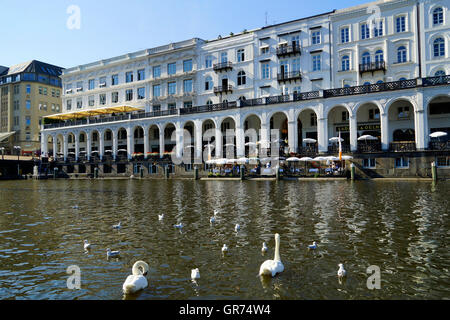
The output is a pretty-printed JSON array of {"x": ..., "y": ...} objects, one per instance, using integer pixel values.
[
  {"x": 288, "y": 50},
  {"x": 289, "y": 76},
  {"x": 223, "y": 66},
  {"x": 372, "y": 66}
]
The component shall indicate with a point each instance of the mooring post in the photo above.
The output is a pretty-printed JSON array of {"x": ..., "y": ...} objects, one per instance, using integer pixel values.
[
  {"x": 55, "y": 172},
  {"x": 242, "y": 172},
  {"x": 141, "y": 172},
  {"x": 95, "y": 173},
  {"x": 166, "y": 172},
  {"x": 434, "y": 171},
  {"x": 353, "y": 171},
  {"x": 196, "y": 173}
]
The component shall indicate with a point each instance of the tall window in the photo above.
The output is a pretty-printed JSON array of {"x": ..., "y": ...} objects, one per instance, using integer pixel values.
[
  {"x": 400, "y": 24},
  {"x": 102, "y": 98},
  {"x": 141, "y": 93},
  {"x": 129, "y": 76},
  {"x": 172, "y": 88},
  {"x": 438, "y": 16},
  {"x": 115, "y": 97},
  {"x": 317, "y": 62},
  {"x": 265, "y": 70},
  {"x": 91, "y": 84},
  {"x": 240, "y": 55},
  {"x": 284, "y": 66},
  {"x": 102, "y": 82},
  {"x": 208, "y": 83},
  {"x": 345, "y": 35},
  {"x": 316, "y": 38},
  {"x": 141, "y": 74},
  {"x": 129, "y": 94},
  {"x": 114, "y": 79},
  {"x": 223, "y": 57},
  {"x": 68, "y": 104},
  {"x": 378, "y": 29},
  {"x": 187, "y": 65},
  {"x": 379, "y": 56},
  {"x": 79, "y": 103},
  {"x": 365, "y": 31},
  {"x": 439, "y": 73},
  {"x": 91, "y": 101},
  {"x": 156, "y": 90},
  {"x": 28, "y": 104},
  {"x": 296, "y": 64},
  {"x": 209, "y": 102},
  {"x": 208, "y": 61},
  {"x": 401, "y": 54},
  {"x": 345, "y": 63},
  {"x": 172, "y": 68},
  {"x": 187, "y": 85},
  {"x": 241, "y": 78},
  {"x": 365, "y": 58},
  {"x": 439, "y": 47},
  {"x": 156, "y": 72},
  {"x": 28, "y": 89}
]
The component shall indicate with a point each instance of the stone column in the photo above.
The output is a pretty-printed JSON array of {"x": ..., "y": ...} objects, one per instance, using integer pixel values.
[
  {"x": 353, "y": 133},
  {"x": 130, "y": 143},
  {"x": 65, "y": 146},
  {"x": 292, "y": 136},
  {"x": 88, "y": 145},
  {"x": 77, "y": 146},
  {"x": 44, "y": 142},
  {"x": 219, "y": 143},
  {"x": 161, "y": 143},
  {"x": 55, "y": 146},
  {"x": 101, "y": 144},
  {"x": 115, "y": 144},
  {"x": 179, "y": 141},
  {"x": 198, "y": 141},
  {"x": 384, "y": 131},
  {"x": 322, "y": 135},
  {"x": 146, "y": 143}
]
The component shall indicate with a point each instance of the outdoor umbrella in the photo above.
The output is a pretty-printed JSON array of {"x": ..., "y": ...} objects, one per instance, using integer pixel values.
[
  {"x": 367, "y": 137},
  {"x": 250, "y": 144},
  {"x": 438, "y": 134},
  {"x": 243, "y": 161},
  {"x": 293, "y": 159},
  {"x": 336, "y": 139},
  {"x": 309, "y": 140}
]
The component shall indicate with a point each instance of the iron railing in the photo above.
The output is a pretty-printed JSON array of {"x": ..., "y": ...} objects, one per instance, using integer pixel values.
[
  {"x": 369, "y": 147},
  {"x": 223, "y": 66},
  {"x": 402, "y": 146},
  {"x": 288, "y": 50},
  {"x": 222, "y": 89},
  {"x": 372, "y": 66},
  {"x": 286, "y": 76}
]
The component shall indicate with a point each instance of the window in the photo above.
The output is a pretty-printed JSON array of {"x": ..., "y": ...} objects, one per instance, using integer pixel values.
[
  {"x": 91, "y": 84},
  {"x": 345, "y": 116},
  {"x": 403, "y": 112},
  {"x": 366, "y": 58},
  {"x": 28, "y": 104},
  {"x": 365, "y": 31},
  {"x": 265, "y": 71},
  {"x": 374, "y": 114},
  {"x": 345, "y": 35},
  {"x": 313, "y": 118},
  {"x": 28, "y": 89},
  {"x": 58, "y": 93},
  {"x": 57, "y": 107},
  {"x": 400, "y": 24},
  {"x": 156, "y": 90},
  {"x": 156, "y": 71},
  {"x": 439, "y": 47},
  {"x": 402, "y": 162},
  {"x": 53, "y": 107},
  {"x": 172, "y": 88},
  {"x": 296, "y": 64},
  {"x": 443, "y": 161},
  {"x": 114, "y": 79},
  {"x": 187, "y": 104},
  {"x": 16, "y": 89},
  {"x": 172, "y": 106},
  {"x": 141, "y": 93},
  {"x": 224, "y": 57},
  {"x": 401, "y": 54},
  {"x": 240, "y": 55},
  {"x": 141, "y": 74},
  {"x": 45, "y": 91},
  {"x": 187, "y": 65},
  {"x": 296, "y": 90},
  {"x": 439, "y": 73},
  {"x": 115, "y": 97},
  {"x": 79, "y": 103},
  {"x": 379, "y": 56},
  {"x": 241, "y": 78},
  {"x": 91, "y": 101},
  {"x": 79, "y": 86},
  {"x": 128, "y": 94},
  {"x": 264, "y": 50},
  {"x": 378, "y": 29},
  {"x": 28, "y": 121},
  {"x": 208, "y": 61},
  {"x": 102, "y": 82},
  {"x": 187, "y": 85},
  {"x": 172, "y": 68},
  {"x": 315, "y": 37},
  {"x": 345, "y": 63},
  {"x": 209, "y": 102},
  {"x": 438, "y": 16},
  {"x": 369, "y": 163},
  {"x": 208, "y": 83},
  {"x": 317, "y": 62},
  {"x": 284, "y": 66},
  {"x": 69, "y": 104},
  {"x": 129, "y": 77},
  {"x": 157, "y": 107}
]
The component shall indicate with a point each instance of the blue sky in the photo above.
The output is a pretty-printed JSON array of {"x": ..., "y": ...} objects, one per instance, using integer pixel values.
[{"x": 38, "y": 29}]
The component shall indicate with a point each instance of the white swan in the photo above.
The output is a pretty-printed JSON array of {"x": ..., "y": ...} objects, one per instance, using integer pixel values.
[
  {"x": 137, "y": 280},
  {"x": 195, "y": 274},
  {"x": 117, "y": 226},
  {"x": 237, "y": 228},
  {"x": 110, "y": 253},
  {"x": 341, "y": 272},
  {"x": 272, "y": 267},
  {"x": 264, "y": 247},
  {"x": 87, "y": 245},
  {"x": 160, "y": 217},
  {"x": 225, "y": 248},
  {"x": 313, "y": 246}
]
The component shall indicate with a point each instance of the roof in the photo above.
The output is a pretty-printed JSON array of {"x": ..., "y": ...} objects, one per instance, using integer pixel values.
[
  {"x": 33, "y": 66},
  {"x": 5, "y": 135}
]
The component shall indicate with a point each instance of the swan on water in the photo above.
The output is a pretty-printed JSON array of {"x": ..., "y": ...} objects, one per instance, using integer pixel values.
[
  {"x": 160, "y": 217},
  {"x": 272, "y": 267},
  {"x": 87, "y": 245},
  {"x": 264, "y": 247},
  {"x": 117, "y": 226},
  {"x": 195, "y": 274},
  {"x": 225, "y": 248},
  {"x": 137, "y": 280},
  {"x": 110, "y": 253},
  {"x": 341, "y": 272},
  {"x": 237, "y": 228},
  {"x": 313, "y": 246}
]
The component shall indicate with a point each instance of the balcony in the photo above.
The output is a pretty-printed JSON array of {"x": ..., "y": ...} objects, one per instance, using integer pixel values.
[
  {"x": 289, "y": 76},
  {"x": 436, "y": 81},
  {"x": 224, "y": 66},
  {"x": 369, "y": 147},
  {"x": 223, "y": 89},
  {"x": 334, "y": 149},
  {"x": 439, "y": 145},
  {"x": 372, "y": 67},
  {"x": 209, "y": 108},
  {"x": 291, "y": 50},
  {"x": 309, "y": 151},
  {"x": 376, "y": 87},
  {"x": 402, "y": 146}
]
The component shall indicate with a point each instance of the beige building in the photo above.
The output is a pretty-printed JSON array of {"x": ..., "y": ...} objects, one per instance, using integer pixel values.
[{"x": 28, "y": 92}]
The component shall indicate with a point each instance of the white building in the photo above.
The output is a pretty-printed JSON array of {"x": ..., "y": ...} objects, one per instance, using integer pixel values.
[{"x": 380, "y": 69}]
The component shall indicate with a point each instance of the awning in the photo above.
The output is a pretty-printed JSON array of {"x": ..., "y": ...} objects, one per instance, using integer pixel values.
[
  {"x": 92, "y": 112},
  {"x": 6, "y": 135}
]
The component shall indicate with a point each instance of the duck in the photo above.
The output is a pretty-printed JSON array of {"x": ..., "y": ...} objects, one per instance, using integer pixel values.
[
  {"x": 341, "y": 272},
  {"x": 225, "y": 248},
  {"x": 117, "y": 226},
  {"x": 87, "y": 245},
  {"x": 160, "y": 217},
  {"x": 137, "y": 280},
  {"x": 275, "y": 266},
  {"x": 110, "y": 253},
  {"x": 195, "y": 274},
  {"x": 179, "y": 226},
  {"x": 237, "y": 228},
  {"x": 313, "y": 246},
  {"x": 264, "y": 247}
]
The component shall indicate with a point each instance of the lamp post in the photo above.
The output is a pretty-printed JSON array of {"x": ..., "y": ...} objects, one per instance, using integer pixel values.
[
  {"x": 3, "y": 152},
  {"x": 18, "y": 159}
]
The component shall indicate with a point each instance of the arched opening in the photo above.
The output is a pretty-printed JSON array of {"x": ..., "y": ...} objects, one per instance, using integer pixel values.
[
  {"x": 138, "y": 140},
  {"x": 252, "y": 135},
  {"x": 82, "y": 146},
  {"x": 401, "y": 126},
  {"x": 209, "y": 139},
  {"x": 59, "y": 147},
  {"x": 169, "y": 144},
  {"x": 71, "y": 147},
  {"x": 338, "y": 125},
  {"x": 279, "y": 122},
  {"x": 438, "y": 115},
  {"x": 154, "y": 142},
  {"x": 228, "y": 129},
  {"x": 108, "y": 144},
  {"x": 122, "y": 146},
  {"x": 307, "y": 132},
  {"x": 188, "y": 142},
  {"x": 369, "y": 124}
]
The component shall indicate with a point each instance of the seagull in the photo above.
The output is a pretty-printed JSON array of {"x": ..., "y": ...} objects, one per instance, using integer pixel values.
[
  {"x": 87, "y": 245},
  {"x": 195, "y": 274},
  {"x": 117, "y": 226},
  {"x": 216, "y": 213},
  {"x": 179, "y": 226},
  {"x": 341, "y": 272},
  {"x": 75, "y": 207},
  {"x": 237, "y": 228},
  {"x": 160, "y": 217},
  {"x": 110, "y": 253},
  {"x": 313, "y": 246},
  {"x": 264, "y": 247},
  {"x": 224, "y": 248}
]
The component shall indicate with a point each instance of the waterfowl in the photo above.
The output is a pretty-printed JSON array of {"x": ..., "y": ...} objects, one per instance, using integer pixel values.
[
  {"x": 195, "y": 274},
  {"x": 179, "y": 226},
  {"x": 117, "y": 226},
  {"x": 87, "y": 245},
  {"x": 272, "y": 267},
  {"x": 137, "y": 280},
  {"x": 212, "y": 220},
  {"x": 224, "y": 248},
  {"x": 110, "y": 253},
  {"x": 216, "y": 213},
  {"x": 237, "y": 228},
  {"x": 341, "y": 272},
  {"x": 313, "y": 246},
  {"x": 264, "y": 247},
  {"x": 160, "y": 217}
]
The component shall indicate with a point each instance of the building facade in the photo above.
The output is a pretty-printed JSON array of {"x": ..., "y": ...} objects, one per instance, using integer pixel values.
[
  {"x": 29, "y": 91},
  {"x": 379, "y": 69}
]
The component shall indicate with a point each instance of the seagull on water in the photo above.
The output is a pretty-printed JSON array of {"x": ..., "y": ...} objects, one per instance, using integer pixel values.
[
  {"x": 237, "y": 228},
  {"x": 225, "y": 248},
  {"x": 264, "y": 247},
  {"x": 212, "y": 220},
  {"x": 313, "y": 246},
  {"x": 195, "y": 274},
  {"x": 117, "y": 226},
  {"x": 87, "y": 245},
  {"x": 160, "y": 217},
  {"x": 179, "y": 226},
  {"x": 341, "y": 272},
  {"x": 110, "y": 253}
]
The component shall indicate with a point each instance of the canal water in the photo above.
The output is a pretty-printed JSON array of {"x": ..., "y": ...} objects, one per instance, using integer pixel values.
[{"x": 401, "y": 227}]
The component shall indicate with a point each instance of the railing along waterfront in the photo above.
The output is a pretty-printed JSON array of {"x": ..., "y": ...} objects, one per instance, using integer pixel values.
[
  {"x": 439, "y": 145},
  {"x": 369, "y": 147},
  {"x": 402, "y": 146}
]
